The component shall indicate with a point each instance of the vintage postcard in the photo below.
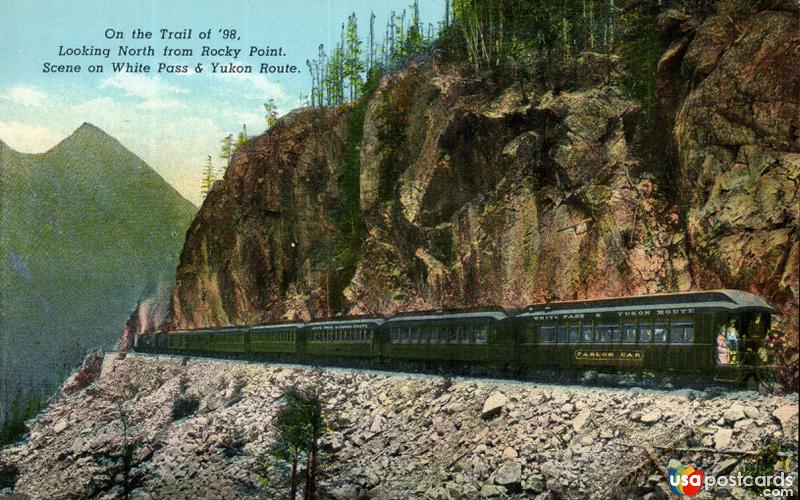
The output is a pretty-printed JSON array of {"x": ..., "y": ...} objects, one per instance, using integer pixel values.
[{"x": 399, "y": 249}]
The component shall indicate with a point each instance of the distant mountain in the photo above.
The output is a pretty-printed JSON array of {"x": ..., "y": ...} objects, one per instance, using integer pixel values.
[{"x": 86, "y": 230}]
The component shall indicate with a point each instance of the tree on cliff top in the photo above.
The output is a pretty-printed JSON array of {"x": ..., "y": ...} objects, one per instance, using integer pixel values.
[{"x": 209, "y": 176}]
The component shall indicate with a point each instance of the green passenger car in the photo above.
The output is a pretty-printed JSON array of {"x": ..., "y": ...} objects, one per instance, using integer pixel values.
[
  {"x": 354, "y": 338},
  {"x": 468, "y": 336},
  {"x": 718, "y": 332},
  {"x": 270, "y": 341}
]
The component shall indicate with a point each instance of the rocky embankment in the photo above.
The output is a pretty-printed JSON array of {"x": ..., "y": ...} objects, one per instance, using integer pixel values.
[{"x": 200, "y": 429}]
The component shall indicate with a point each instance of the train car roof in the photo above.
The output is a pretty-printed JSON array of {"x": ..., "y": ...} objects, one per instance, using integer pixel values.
[
  {"x": 733, "y": 300},
  {"x": 495, "y": 314},
  {"x": 221, "y": 329},
  {"x": 274, "y": 326},
  {"x": 348, "y": 320}
]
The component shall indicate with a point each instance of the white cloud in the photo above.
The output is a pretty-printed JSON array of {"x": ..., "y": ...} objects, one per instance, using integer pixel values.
[
  {"x": 28, "y": 96},
  {"x": 136, "y": 85},
  {"x": 27, "y": 138},
  {"x": 158, "y": 104},
  {"x": 259, "y": 85}
]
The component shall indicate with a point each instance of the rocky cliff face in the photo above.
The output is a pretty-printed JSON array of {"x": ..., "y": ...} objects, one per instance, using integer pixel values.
[
  {"x": 392, "y": 436},
  {"x": 471, "y": 193},
  {"x": 737, "y": 139}
]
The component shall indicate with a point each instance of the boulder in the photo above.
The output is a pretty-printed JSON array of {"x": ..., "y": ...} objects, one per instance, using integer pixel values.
[
  {"x": 650, "y": 417},
  {"x": 581, "y": 419},
  {"x": 787, "y": 416},
  {"x": 734, "y": 414},
  {"x": 510, "y": 473},
  {"x": 493, "y": 405},
  {"x": 722, "y": 439}
]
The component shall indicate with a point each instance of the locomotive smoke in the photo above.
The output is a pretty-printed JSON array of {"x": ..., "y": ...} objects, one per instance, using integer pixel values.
[{"x": 149, "y": 315}]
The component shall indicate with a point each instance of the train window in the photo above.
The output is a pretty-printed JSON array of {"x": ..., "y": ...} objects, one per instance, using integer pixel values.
[
  {"x": 586, "y": 332},
  {"x": 453, "y": 337},
  {"x": 629, "y": 333},
  {"x": 616, "y": 333},
  {"x": 426, "y": 334},
  {"x": 547, "y": 334},
  {"x": 645, "y": 333},
  {"x": 604, "y": 333},
  {"x": 660, "y": 332},
  {"x": 563, "y": 333},
  {"x": 480, "y": 334},
  {"x": 574, "y": 333},
  {"x": 465, "y": 334},
  {"x": 681, "y": 332}
]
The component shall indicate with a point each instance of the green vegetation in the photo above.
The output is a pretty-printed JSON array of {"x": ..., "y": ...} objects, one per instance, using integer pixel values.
[
  {"x": 350, "y": 222},
  {"x": 185, "y": 404},
  {"x": 338, "y": 76},
  {"x": 300, "y": 424},
  {"x": 22, "y": 409},
  {"x": 773, "y": 457},
  {"x": 640, "y": 50}
]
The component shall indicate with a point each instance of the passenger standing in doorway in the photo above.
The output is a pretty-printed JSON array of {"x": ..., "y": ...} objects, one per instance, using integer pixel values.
[{"x": 723, "y": 353}]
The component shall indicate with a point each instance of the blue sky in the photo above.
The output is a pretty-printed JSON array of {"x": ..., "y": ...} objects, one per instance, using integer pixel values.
[{"x": 172, "y": 121}]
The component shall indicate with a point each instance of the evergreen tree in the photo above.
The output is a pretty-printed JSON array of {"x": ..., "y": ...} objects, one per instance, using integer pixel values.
[
  {"x": 241, "y": 139},
  {"x": 371, "y": 60},
  {"x": 271, "y": 111},
  {"x": 300, "y": 424},
  {"x": 226, "y": 151},
  {"x": 353, "y": 66},
  {"x": 209, "y": 177}
]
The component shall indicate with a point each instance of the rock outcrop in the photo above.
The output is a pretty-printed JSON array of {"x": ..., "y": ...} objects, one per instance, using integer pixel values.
[
  {"x": 391, "y": 436},
  {"x": 472, "y": 194},
  {"x": 737, "y": 137}
]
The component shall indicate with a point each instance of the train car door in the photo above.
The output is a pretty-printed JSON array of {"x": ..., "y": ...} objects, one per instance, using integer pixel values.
[{"x": 727, "y": 344}]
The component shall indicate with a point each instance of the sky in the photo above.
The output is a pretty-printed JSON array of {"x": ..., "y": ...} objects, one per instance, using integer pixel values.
[{"x": 173, "y": 121}]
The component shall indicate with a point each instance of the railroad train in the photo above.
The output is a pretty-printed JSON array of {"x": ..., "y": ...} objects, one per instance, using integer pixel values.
[{"x": 719, "y": 333}]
